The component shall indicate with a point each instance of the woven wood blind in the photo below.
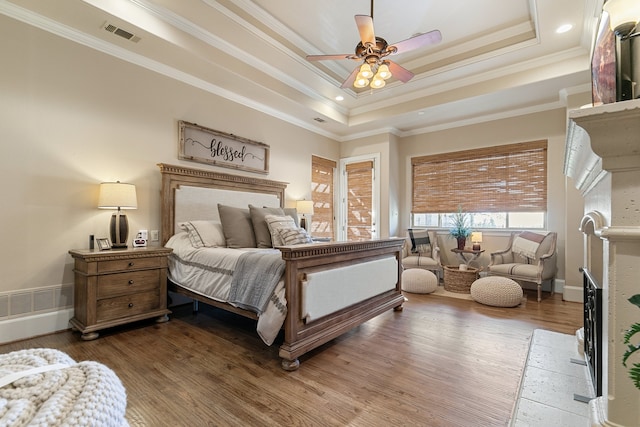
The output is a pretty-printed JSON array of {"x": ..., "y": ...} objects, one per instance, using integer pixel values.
[
  {"x": 359, "y": 200},
  {"x": 507, "y": 178},
  {"x": 322, "y": 178}
]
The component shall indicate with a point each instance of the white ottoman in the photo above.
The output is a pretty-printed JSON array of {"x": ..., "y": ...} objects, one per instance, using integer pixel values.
[
  {"x": 496, "y": 291},
  {"x": 419, "y": 281}
]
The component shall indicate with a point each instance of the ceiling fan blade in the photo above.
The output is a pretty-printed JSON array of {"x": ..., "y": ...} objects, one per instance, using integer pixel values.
[
  {"x": 365, "y": 28},
  {"x": 432, "y": 37},
  {"x": 399, "y": 72},
  {"x": 329, "y": 57},
  {"x": 352, "y": 78}
]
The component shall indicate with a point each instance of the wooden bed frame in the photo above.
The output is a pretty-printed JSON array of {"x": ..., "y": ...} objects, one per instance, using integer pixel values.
[{"x": 299, "y": 336}]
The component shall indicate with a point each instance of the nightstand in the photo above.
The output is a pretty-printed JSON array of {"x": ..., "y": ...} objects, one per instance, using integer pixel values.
[{"x": 119, "y": 286}]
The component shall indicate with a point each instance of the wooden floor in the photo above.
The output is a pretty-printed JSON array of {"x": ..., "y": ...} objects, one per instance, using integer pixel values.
[{"x": 439, "y": 362}]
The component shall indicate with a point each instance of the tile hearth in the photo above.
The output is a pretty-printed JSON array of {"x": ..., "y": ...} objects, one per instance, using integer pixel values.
[{"x": 550, "y": 381}]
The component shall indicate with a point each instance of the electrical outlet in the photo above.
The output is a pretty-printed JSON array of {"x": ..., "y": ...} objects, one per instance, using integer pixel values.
[{"x": 154, "y": 236}]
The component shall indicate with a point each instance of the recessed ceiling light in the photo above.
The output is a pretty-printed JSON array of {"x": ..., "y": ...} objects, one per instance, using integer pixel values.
[
  {"x": 564, "y": 28},
  {"x": 420, "y": 113},
  {"x": 339, "y": 98}
]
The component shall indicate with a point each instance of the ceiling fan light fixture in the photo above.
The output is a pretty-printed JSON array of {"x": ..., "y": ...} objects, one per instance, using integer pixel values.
[
  {"x": 377, "y": 82},
  {"x": 365, "y": 71},
  {"x": 383, "y": 72},
  {"x": 360, "y": 82}
]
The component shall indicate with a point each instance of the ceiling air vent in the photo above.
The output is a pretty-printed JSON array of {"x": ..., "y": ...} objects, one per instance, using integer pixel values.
[
  {"x": 319, "y": 120},
  {"x": 122, "y": 33}
]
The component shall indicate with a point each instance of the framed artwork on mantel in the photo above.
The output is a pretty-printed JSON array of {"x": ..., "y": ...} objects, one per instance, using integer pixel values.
[{"x": 204, "y": 145}]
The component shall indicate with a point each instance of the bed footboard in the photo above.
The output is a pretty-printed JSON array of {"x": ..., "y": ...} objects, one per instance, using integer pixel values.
[{"x": 327, "y": 261}]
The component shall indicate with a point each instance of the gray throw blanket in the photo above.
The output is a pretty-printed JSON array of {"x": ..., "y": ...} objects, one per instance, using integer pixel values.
[{"x": 254, "y": 279}]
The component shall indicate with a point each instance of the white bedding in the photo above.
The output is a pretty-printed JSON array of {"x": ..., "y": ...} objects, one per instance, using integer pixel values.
[{"x": 208, "y": 272}]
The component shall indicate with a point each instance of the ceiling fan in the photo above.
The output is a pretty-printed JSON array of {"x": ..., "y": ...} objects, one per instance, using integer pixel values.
[{"x": 372, "y": 51}]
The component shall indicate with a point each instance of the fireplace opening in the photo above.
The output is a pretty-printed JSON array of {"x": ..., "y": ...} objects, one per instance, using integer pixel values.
[{"x": 593, "y": 328}]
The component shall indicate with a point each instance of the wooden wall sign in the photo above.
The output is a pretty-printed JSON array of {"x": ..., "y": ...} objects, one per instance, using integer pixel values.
[{"x": 204, "y": 145}]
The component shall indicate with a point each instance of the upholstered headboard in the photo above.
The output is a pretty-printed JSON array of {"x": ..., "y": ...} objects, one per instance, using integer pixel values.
[{"x": 189, "y": 194}]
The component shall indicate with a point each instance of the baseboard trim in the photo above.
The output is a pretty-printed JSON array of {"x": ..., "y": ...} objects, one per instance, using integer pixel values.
[
  {"x": 572, "y": 294},
  {"x": 21, "y": 328}
]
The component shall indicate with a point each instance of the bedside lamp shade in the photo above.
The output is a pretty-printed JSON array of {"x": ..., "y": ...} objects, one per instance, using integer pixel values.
[
  {"x": 304, "y": 207},
  {"x": 118, "y": 195}
]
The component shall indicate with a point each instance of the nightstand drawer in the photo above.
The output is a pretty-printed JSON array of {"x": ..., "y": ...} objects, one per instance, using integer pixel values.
[
  {"x": 127, "y": 305},
  {"x": 111, "y": 285},
  {"x": 129, "y": 264}
]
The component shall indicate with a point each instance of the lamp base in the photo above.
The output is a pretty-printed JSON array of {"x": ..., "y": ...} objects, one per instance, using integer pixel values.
[
  {"x": 119, "y": 230},
  {"x": 303, "y": 223}
]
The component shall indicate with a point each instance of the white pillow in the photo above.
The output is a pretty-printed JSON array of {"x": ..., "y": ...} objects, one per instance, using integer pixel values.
[
  {"x": 274, "y": 223},
  {"x": 204, "y": 234},
  {"x": 294, "y": 236}
]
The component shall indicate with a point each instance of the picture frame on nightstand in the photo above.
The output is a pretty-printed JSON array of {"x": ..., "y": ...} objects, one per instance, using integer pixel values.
[{"x": 103, "y": 244}]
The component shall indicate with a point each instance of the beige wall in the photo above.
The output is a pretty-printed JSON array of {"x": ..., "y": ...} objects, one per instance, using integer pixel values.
[{"x": 71, "y": 117}]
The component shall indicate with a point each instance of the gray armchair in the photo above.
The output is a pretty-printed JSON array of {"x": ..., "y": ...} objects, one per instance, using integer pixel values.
[
  {"x": 529, "y": 257},
  {"x": 420, "y": 252}
]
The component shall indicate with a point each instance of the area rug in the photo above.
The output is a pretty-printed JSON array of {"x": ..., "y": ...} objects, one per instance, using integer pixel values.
[{"x": 442, "y": 292}]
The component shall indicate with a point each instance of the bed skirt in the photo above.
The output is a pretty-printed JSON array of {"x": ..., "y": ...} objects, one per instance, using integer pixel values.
[{"x": 44, "y": 386}]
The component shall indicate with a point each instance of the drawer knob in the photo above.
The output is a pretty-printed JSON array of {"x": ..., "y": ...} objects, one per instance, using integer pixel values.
[
  {"x": 131, "y": 264},
  {"x": 130, "y": 304},
  {"x": 131, "y": 282}
]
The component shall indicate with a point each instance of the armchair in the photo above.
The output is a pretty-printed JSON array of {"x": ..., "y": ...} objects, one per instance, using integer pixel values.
[
  {"x": 529, "y": 257},
  {"x": 421, "y": 250}
]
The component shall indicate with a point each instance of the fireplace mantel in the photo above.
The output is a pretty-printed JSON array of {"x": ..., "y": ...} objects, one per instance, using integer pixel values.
[
  {"x": 602, "y": 138},
  {"x": 602, "y": 156}
]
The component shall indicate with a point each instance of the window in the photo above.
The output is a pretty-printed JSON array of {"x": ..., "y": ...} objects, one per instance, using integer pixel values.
[
  {"x": 322, "y": 187},
  {"x": 359, "y": 180},
  {"x": 501, "y": 187}
]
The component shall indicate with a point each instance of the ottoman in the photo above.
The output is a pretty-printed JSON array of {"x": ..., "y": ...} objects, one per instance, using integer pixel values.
[
  {"x": 419, "y": 281},
  {"x": 496, "y": 291}
]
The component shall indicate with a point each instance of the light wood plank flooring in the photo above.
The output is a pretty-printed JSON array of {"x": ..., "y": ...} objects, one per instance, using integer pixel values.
[{"x": 439, "y": 362}]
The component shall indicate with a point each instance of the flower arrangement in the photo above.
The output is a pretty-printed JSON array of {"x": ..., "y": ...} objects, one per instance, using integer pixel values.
[
  {"x": 461, "y": 226},
  {"x": 634, "y": 371}
]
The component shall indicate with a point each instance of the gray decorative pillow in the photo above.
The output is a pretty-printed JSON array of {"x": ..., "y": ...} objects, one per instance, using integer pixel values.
[
  {"x": 293, "y": 213},
  {"x": 275, "y": 222},
  {"x": 202, "y": 233},
  {"x": 260, "y": 229},
  {"x": 237, "y": 227},
  {"x": 294, "y": 236}
]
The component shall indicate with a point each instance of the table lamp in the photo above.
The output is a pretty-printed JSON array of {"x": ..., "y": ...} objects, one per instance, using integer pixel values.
[
  {"x": 118, "y": 195},
  {"x": 476, "y": 239},
  {"x": 304, "y": 207}
]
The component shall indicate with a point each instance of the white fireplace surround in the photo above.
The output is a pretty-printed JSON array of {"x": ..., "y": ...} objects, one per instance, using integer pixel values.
[{"x": 602, "y": 156}]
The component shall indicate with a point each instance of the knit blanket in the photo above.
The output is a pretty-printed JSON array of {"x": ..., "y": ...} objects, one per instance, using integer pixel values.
[{"x": 45, "y": 387}]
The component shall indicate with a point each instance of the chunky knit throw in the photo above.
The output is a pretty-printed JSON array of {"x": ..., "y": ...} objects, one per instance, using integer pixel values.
[{"x": 71, "y": 394}]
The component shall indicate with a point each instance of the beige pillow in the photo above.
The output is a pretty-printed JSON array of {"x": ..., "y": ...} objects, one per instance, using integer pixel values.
[
  {"x": 203, "y": 234},
  {"x": 260, "y": 229},
  {"x": 275, "y": 222},
  {"x": 237, "y": 227}
]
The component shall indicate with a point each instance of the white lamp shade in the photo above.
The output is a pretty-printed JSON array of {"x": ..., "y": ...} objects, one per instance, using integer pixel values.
[
  {"x": 304, "y": 207},
  {"x": 476, "y": 237},
  {"x": 623, "y": 14},
  {"x": 114, "y": 195}
]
